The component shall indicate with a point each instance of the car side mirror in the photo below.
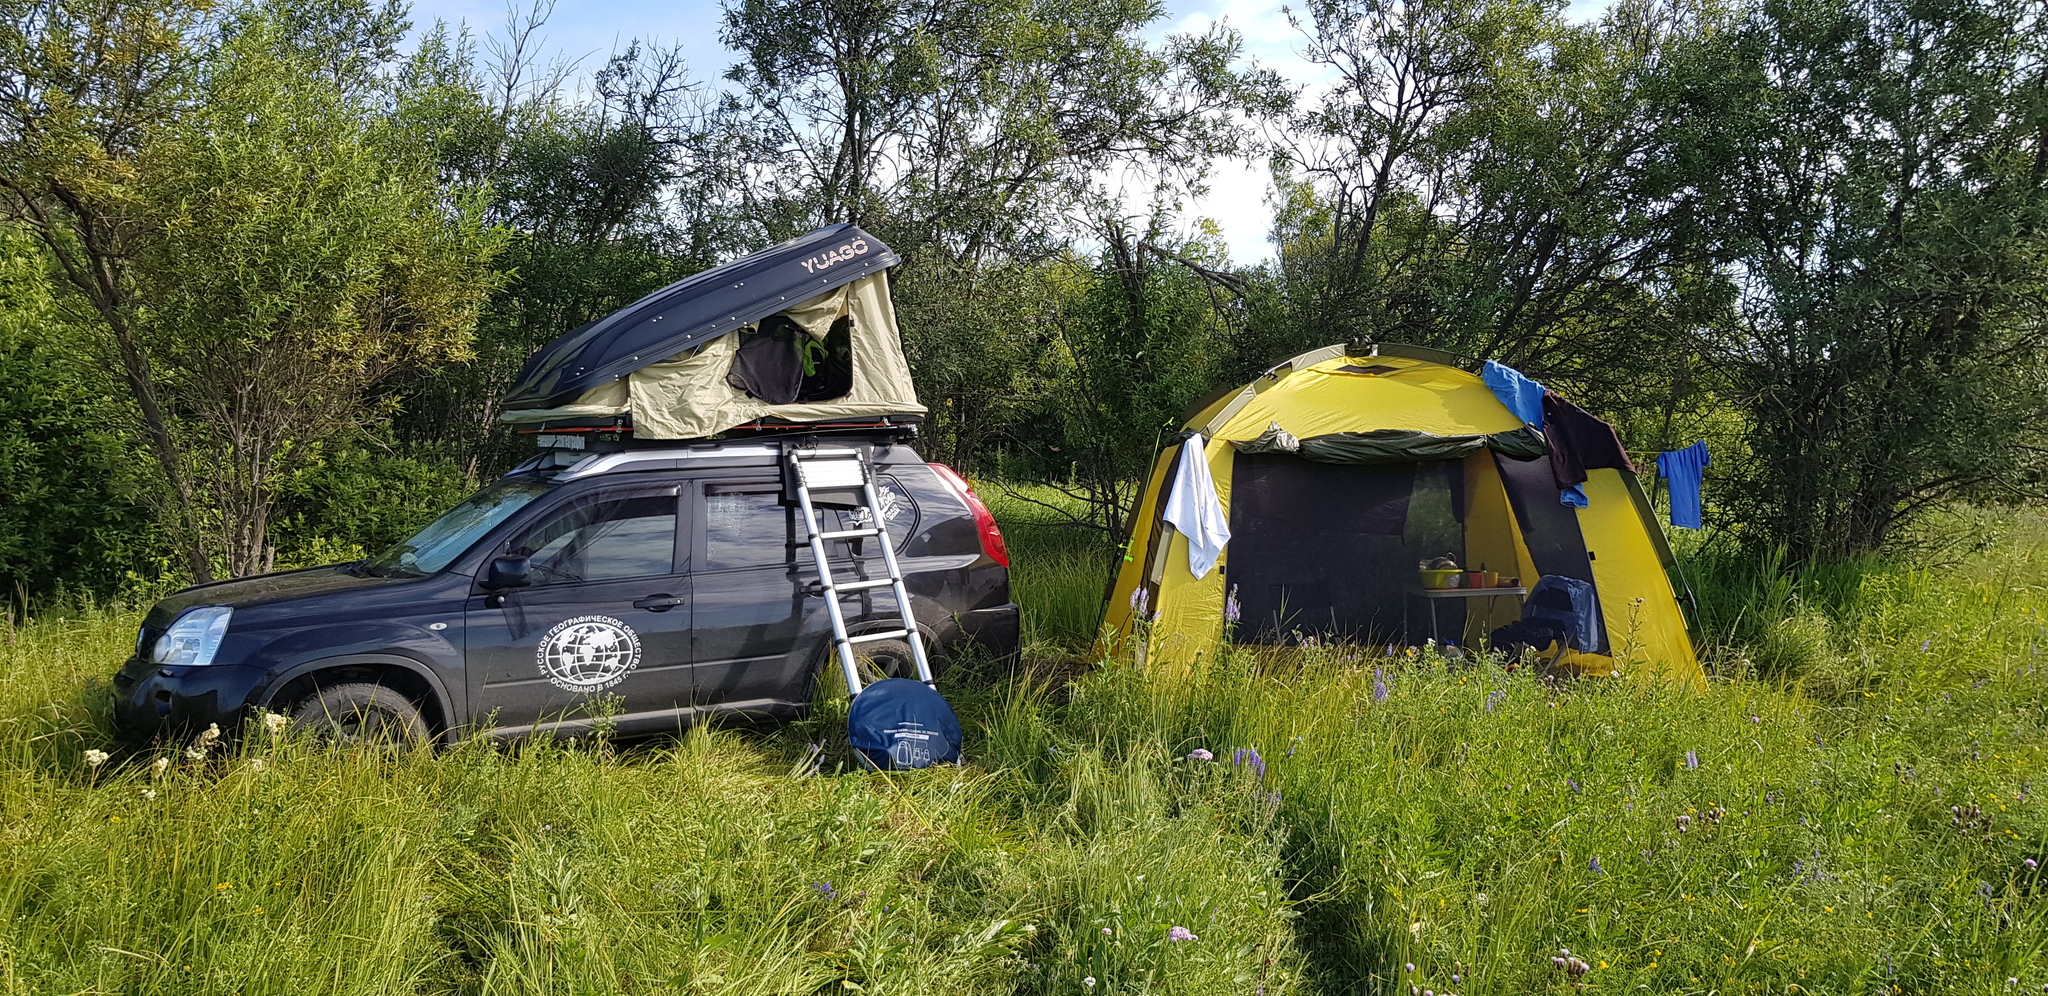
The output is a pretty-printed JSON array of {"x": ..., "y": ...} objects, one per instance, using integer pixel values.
[{"x": 507, "y": 572}]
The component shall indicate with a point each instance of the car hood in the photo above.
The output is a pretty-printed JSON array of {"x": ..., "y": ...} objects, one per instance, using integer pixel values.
[{"x": 269, "y": 589}]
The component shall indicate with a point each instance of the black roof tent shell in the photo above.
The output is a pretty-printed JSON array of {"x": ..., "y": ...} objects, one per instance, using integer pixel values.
[{"x": 696, "y": 310}]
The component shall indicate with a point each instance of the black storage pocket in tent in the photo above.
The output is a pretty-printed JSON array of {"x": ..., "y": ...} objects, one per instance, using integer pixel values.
[{"x": 767, "y": 365}]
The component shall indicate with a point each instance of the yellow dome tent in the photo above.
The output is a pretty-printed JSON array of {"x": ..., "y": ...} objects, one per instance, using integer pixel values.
[{"x": 1342, "y": 469}]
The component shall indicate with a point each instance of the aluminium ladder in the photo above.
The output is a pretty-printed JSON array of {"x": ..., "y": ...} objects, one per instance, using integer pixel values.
[{"x": 844, "y": 469}]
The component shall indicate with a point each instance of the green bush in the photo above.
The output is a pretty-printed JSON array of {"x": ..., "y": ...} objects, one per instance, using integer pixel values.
[
  {"x": 74, "y": 517},
  {"x": 355, "y": 501}
]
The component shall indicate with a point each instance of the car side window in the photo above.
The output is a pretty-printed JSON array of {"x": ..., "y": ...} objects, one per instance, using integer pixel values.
[
  {"x": 745, "y": 525},
  {"x": 601, "y": 538},
  {"x": 899, "y": 512}
]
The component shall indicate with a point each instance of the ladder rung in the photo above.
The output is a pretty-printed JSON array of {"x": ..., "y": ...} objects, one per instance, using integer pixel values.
[
  {"x": 849, "y": 533},
  {"x": 864, "y": 585},
  {"x": 889, "y": 634}
]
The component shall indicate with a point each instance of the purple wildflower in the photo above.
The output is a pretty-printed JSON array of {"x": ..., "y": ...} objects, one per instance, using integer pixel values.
[
  {"x": 2031, "y": 864},
  {"x": 1181, "y": 934},
  {"x": 1595, "y": 867},
  {"x": 1200, "y": 754},
  {"x": 1232, "y": 610},
  {"x": 1409, "y": 966},
  {"x": 1379, "y": 683},
  {"x": 1249, "y": 757},
  {"x": 1756, "y": 719},
  {"x": 1574, "y": 786},
  {"x": 1140, "y": 599},
  {"x": 1924, "y": 644},
  {"x": 825, "y": 889},
  {"x": 1692, "y": 760}
]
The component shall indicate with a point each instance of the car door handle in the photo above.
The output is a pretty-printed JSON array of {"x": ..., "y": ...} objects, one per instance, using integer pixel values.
[{"x": 658, "y": 603}]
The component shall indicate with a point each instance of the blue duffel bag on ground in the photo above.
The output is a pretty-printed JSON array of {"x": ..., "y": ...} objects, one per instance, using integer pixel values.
[{"x": 899, "y": 723}]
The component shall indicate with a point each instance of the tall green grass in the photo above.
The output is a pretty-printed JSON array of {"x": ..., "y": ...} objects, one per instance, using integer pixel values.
[
  {"x": 1059, "y": 567},
  {"x": 1855, "y": 817}
]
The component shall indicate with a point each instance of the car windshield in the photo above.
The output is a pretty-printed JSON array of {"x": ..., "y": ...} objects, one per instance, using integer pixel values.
[{"x": 447, "y": 537}]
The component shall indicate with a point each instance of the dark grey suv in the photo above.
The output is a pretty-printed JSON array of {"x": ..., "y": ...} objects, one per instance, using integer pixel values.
[{"x": 653, "y": 586}]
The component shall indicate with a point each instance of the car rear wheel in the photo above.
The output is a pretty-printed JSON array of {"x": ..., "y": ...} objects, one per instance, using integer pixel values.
[
  {"x": 875, "y": 661},
  {"x": 884, "y": 659},
  {"x": 361, "y": 712}
]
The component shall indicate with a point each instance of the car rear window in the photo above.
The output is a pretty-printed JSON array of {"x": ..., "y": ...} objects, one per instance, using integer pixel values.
[{"x": 745, "y": 524}]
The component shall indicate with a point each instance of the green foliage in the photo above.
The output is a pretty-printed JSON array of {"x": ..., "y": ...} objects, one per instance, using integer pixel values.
[
  {"x": 587, "y": 197},
  {"x": 73, "y": 511},
  {"x": 1877, "y": 172},
  {"x": 255, "y": 248},
  {"x": 1140, "y": 341},
  {"x": 352, "y": 501},
  {"x": 294, "y": 257},
  {"x": 966, "y": 135}
]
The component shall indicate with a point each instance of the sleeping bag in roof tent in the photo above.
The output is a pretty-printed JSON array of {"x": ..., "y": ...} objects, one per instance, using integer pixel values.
[{"x": 899, "y": 723}]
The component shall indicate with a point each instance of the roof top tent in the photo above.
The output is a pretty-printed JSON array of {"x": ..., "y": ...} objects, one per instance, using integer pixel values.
[
  {"x": 798, "y": 336},
  {"x": 1338, "y": 472}
]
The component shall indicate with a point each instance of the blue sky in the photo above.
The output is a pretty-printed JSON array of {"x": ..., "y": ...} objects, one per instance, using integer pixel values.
[{"x": 589, "y": 30}]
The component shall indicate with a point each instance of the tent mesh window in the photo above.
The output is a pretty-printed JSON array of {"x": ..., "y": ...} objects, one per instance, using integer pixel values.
[
  {"x": 828, "y": 365},
  {"x": 1323, "y": 549}
]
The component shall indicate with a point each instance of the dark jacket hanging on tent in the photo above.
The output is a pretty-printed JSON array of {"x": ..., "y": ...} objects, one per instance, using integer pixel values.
[{"x": 1579, "y": 442}]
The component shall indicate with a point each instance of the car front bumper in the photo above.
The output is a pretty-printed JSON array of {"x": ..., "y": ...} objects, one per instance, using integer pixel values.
[{"x": 154, "y": 702}]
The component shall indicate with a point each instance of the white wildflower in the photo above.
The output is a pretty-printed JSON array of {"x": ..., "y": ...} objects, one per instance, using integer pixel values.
[
  {"x": 95, "y": 758},
  {"x": 149, "y": 793},
  {"x": 259, "y": 765},
  {"x": 159, "y": 766},
  {"x": 274, "y": 723}
]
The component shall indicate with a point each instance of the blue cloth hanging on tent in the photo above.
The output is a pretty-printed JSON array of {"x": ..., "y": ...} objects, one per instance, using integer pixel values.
[
  {"x": 1522, "y": 396},
  {"x": 1574, "y": 497},
  {"x": 1683, "y": 471}
]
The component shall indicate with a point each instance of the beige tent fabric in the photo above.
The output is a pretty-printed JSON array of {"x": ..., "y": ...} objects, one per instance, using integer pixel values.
[
  {"x": 817, "y": 314},
  {"x": 686, "y": 396}
]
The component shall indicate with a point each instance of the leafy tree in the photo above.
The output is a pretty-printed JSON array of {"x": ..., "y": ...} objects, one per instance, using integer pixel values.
[
  {"x": 1884, "y": 178},
  {"x": 604, "y": 202},
  {"x": 1133, "y": 341},
  {"x": 968, "y": 135},
  {"x": 1490, "y": 180},
  {"x": 257, "y": 245},
  {"x": 88, "y": 87}
]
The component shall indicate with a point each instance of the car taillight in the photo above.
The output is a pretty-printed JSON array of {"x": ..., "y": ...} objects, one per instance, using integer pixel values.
[{"x": 985, "y": 523}]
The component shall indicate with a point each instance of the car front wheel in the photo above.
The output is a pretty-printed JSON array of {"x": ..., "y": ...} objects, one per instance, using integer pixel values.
[{"x": 361, "y": 712}]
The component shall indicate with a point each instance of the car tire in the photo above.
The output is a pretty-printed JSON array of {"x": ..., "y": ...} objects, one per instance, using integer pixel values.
[
  {"x": 884, "y": 659},
  {"x": 361, "y": 712}
]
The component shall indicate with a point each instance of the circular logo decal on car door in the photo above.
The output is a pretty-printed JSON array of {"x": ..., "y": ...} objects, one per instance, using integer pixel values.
[{"x": 589, "y": 653}]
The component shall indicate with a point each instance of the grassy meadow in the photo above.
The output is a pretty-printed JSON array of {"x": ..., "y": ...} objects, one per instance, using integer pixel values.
[{"x": 1854, "y": 805}]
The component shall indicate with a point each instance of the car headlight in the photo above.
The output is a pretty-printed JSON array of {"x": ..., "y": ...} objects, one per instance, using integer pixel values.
[{"x": 194, "y": 638}]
